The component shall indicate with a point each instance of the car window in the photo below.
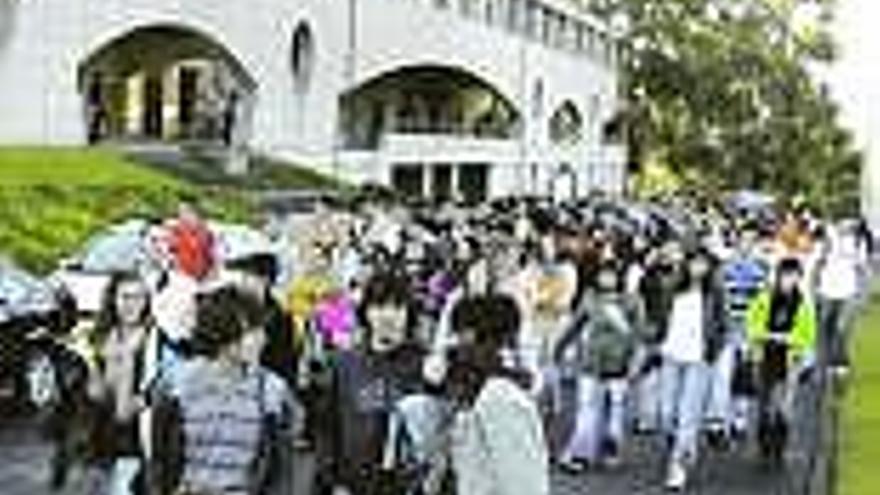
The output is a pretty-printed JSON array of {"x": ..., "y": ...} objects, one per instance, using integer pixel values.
[
  {"x": 15, "y": 285},
  {"x": 114, "y": 251}
]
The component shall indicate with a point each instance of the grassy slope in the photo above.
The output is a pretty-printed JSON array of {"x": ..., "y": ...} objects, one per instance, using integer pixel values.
[
  {"x": 51, "y": 200},
  {"x": 74, "y": 167},
  {"x": 860, "y": 447}
]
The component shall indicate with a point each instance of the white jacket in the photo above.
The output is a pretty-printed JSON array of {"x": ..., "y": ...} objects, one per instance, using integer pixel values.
[{"x": 498, "y": 446}]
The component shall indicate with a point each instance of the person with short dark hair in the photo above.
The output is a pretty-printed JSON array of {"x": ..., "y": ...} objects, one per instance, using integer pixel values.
[
  {"x": 225, "y": 424},
  {"x": 498, "y": 441},
  {"x": 369, "y": 376}
]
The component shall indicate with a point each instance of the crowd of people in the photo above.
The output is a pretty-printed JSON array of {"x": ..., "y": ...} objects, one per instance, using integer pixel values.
[{"x": 471, "y": 351}]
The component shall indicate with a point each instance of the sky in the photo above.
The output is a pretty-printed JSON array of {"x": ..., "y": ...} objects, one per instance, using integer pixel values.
[{"x": 855, "y": 83}]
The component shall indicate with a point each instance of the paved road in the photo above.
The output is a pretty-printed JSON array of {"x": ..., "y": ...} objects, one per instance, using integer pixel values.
[{"x": 23, "y": 467}]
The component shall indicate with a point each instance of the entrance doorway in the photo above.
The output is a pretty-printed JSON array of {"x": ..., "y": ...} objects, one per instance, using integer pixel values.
[
  {"x": 187, "y": 97},
  {"x": 474, "y": 182},
  {"x": 152, "y": 116},
  {"x": 442, "y": 182},
  {"x": 408, "y": 180}
]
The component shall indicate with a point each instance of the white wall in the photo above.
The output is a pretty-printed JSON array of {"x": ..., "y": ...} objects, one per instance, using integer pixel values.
[{"x": 40, "y": 59}]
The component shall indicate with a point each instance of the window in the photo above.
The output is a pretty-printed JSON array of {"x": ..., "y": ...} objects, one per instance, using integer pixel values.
[
  {"x": 489, "y": 9},
  {"x": 546, "y": 25},
  {"x": 514, "y": 14},
  {"x": 302, "y": 54},
  {"x": 579, "y": 33},
  {"x": 538, "y": 99},
  {"x": 566, "y": 124},
  {"x": 533, "y": 19}
]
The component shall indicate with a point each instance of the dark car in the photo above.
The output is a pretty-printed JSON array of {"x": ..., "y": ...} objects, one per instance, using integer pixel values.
[{"x": 33, "y": 314}]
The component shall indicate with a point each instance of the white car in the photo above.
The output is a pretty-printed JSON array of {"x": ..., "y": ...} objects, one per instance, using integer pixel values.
[{"x": 85, "y": 275}]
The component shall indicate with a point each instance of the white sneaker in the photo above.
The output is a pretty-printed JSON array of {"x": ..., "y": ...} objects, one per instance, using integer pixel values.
[{"x": 676, "y": 478}]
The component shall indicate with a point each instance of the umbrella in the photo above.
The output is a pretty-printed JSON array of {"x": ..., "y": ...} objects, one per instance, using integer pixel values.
[{"x": 238, "y": 242}]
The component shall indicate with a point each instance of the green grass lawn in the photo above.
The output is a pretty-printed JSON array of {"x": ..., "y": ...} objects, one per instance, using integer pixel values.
[
  {"x": 75, "y": 167},
  {"x": 52, "y": 199},
  {"x": 859, "y": 462}
]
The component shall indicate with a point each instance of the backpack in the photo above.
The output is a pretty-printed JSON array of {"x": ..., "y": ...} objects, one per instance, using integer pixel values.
[{"x": 609, "y": 342}]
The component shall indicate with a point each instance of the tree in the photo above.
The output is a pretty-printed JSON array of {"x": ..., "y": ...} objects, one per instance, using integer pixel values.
[{"x": 726, "y": 88}]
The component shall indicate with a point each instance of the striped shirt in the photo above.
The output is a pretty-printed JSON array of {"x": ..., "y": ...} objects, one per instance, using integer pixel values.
[
  {"x": 222, "y": 423},
  {"x": 743, "y": 277}
]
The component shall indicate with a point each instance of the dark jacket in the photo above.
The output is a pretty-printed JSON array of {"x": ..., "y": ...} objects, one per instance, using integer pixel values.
[
  {"x": 278, "y": 355},
  {"x": 658, "y": 288},
  {"x": 365, "y": 390}
]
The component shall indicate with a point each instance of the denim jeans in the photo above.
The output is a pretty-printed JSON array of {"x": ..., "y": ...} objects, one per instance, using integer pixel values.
[
  {"x": 683, "y": 389},
  {"x": 719, "y": 409},
  {"x": 647, "y": 400},
  {"x": 122, "y": 476},
  {"x": 601, "y": 417}
]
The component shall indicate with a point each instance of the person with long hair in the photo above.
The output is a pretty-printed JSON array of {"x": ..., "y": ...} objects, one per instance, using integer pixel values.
[
  {"x": 605, "y": 335},
  {"x": 117, "y": 383},
  {"x": 782, "y": 335},
  {"x": 694, "y": 335}
]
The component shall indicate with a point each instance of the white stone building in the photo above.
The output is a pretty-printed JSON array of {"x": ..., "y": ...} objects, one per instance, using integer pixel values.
[{"x": 439, "y": 97}]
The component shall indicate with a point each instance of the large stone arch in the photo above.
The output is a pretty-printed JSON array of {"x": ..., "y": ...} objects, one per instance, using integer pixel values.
[
  {"x": 487, "y": 72},
  {"x": 212, "y": 81},
  {"x": 448, "y": 99}
]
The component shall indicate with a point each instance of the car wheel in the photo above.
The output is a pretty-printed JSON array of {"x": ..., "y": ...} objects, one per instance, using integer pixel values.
[{"x": 41, "y": 379}]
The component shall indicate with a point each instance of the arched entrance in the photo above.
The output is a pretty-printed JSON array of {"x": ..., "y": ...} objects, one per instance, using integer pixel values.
[
  {"x": 166, "y": 83},
  {"x": 437, "y": 109}
]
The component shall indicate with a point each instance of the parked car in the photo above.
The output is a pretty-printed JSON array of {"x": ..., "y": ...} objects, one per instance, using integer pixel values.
[
  {"x": 85, "y": 275},
  {"x": 33, "y": 315}
]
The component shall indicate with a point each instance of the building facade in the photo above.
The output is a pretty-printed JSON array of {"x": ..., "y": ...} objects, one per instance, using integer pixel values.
[{"x": 444, "y": 98}]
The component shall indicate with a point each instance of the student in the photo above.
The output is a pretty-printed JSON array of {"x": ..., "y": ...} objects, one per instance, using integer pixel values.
[
  {"x": 115, "y": 385},
  {"x": 498, "y": 443},
  {"x": 837, "y": 294},
  {"x": 782, "y": 334},
  {"x": 694, "y": 336},
  {"x": 744, "y": 275},
  {"x": 657, "y": 289},
  {"x": 368, "y": 381},
  {"x": 224, "y": 424},
  {"x": 605, "y": 334},
  {"x": 255, "y": 275}
]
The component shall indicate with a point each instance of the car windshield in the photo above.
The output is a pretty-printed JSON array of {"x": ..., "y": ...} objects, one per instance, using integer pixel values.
[
  {"x": 121, "y": 249},
  {"x": 16, "y": 285}
]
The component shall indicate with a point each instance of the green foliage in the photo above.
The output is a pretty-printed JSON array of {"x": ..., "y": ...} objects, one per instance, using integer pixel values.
[
  {"x": 725, "y": 88},
  {"x": 52, "y": 200}
]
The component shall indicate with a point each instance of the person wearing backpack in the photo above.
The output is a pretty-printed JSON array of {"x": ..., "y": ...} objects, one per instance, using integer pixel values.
[
  {"x": 224, "y": 425},
  {"x": 605, "y": 336}
]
